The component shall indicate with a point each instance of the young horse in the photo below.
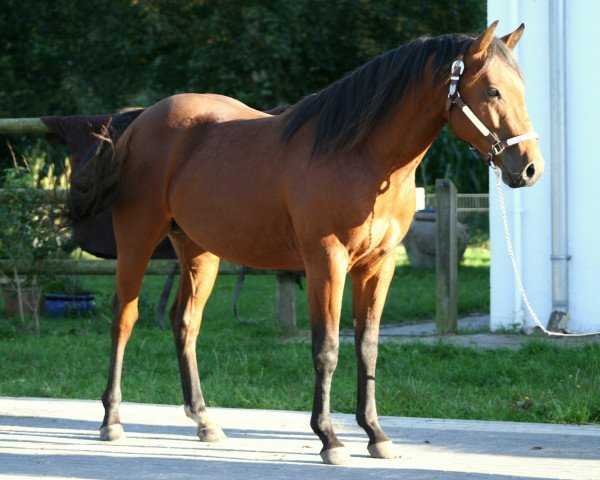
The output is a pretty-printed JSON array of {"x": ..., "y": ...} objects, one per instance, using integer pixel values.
[{"x": 328, "y": 187}]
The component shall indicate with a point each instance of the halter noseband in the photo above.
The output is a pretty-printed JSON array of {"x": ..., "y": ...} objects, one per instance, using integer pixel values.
[{"x": 454, "y": 97}]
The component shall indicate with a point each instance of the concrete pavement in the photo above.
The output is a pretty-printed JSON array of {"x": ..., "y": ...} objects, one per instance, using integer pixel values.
[{"x": 58, "y": 439}]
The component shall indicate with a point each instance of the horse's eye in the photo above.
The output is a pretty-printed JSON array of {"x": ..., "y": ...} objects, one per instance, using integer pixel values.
[{"x": 493, "y": 92}]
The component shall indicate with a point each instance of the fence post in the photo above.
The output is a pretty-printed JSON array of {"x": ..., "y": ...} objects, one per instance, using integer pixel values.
[
  {"x": 446, "y": 310},
  {"x": 286, "y": 301}
]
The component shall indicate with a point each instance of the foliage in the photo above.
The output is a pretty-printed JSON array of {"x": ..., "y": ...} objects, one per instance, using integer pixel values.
[
  {"x": 29, "y": 235},
  {"x": 71, "y": 57}
]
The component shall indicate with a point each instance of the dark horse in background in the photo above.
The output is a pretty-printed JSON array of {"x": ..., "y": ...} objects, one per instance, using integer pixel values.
[{"x": 327, "y": 187}]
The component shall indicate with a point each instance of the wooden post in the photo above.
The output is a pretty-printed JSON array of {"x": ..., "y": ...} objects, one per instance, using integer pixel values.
[
  {"x": 286, "y": 302},
  {"x": 446, "y": 310}
]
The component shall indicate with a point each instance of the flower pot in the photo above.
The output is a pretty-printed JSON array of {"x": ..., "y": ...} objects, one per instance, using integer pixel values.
[{"x": 60, "y": 305}]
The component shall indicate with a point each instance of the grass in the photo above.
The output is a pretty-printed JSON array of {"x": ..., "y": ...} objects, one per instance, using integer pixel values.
[{"x": 251, "y": 365}]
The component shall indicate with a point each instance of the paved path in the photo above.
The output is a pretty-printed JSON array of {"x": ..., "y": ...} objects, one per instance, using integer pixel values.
[
  {"x": 474, "y": 332},
  {"x": 57, "y": 439}
]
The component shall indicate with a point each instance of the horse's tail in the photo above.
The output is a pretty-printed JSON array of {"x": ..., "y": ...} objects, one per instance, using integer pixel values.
[{"x": 94, "y": 181}]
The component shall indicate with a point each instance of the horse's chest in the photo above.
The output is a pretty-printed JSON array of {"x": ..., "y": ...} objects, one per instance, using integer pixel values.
[
  {"x": 378, "y": 238},
  {"x": 383, "y": 229}
]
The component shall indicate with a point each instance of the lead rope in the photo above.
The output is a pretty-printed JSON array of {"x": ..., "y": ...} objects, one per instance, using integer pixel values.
[{"x": 516, "y": 272}]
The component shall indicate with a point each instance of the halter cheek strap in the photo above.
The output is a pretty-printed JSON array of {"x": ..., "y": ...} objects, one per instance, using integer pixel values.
[{"x": 454, "y": 98}]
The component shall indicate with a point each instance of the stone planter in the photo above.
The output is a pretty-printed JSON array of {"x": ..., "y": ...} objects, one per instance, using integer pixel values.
[
  {"x": 61, "y": 305},
  {"x": 420, "y": 240},
  {"x": 10, "y": 296}
]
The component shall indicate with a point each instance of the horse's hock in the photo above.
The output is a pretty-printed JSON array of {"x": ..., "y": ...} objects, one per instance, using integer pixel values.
[{"x": 420, "y": 240}]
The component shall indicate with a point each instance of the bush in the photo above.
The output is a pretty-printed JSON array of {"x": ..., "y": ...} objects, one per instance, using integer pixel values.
[{"x": 28, "y": 238}]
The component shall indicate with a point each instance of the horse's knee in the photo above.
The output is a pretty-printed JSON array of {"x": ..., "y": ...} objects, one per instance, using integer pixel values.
[{"x": 325, "y": 355}]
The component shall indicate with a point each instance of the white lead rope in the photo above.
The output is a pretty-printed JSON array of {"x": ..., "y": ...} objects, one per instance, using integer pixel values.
[{"x": 516, "y": 272}]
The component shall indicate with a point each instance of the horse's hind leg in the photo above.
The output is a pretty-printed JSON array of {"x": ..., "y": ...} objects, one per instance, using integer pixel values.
[
  {"x": 198, "y": 272},
  {"x": 369, "y": 290},
  {"x": 135, "y": 246}
]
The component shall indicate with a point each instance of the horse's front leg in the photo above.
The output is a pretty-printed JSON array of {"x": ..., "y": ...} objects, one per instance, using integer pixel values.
[
  {"x": 369, "y": 290},
  {"x": 325, "y": 278}
]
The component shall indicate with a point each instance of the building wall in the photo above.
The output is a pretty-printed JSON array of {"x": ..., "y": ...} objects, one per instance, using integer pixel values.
[
  {"x": 530, "y": 209},
  {"x": 583, "y": 122}
]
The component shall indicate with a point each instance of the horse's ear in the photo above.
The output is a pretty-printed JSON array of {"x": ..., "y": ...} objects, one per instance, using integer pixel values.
[
  {"x": 482, "y": 42},
  {"x": 513, "y": 38}
]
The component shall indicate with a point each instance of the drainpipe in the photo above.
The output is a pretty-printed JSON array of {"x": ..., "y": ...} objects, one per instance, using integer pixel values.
[{"x": 560, "y": 245}]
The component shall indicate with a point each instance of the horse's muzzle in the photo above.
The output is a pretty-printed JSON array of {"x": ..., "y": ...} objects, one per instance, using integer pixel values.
[{"x": 525, "y": 176}]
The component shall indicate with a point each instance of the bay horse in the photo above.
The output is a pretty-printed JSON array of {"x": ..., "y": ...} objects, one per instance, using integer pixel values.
[{"x": 327, "y": 187}]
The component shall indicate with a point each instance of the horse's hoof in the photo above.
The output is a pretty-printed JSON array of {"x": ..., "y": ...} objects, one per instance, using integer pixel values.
[
  {"x": 110, "y": 433},
  {"x": 384, "y": 450},
  {"x": 211, "y": 434},
  {"x": 336, "y": 456}
]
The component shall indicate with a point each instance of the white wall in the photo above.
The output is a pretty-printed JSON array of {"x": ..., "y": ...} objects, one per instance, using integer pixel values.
[
  {"x": 530, "y": 209},
  {"x": 583, "y": 135}
]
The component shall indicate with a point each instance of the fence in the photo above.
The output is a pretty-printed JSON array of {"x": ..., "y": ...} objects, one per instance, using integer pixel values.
[
  {"x": 285, "y": 286},
  {"x": 466, "y": 203}
]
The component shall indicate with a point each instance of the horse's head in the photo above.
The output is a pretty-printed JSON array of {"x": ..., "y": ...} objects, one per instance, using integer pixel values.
[{"x": 486, "y": 108}]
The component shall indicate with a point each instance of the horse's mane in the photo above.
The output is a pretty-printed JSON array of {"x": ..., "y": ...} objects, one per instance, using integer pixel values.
[{"x": 353, "y": 107}]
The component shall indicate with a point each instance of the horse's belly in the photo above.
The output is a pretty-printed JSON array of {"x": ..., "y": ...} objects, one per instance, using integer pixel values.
[
  {"x": 250, "y": 248},
  {"x": 254, "y": 237}
]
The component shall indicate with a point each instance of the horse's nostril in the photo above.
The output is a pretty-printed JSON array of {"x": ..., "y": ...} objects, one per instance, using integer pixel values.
[{"x": 530, "y": 171}]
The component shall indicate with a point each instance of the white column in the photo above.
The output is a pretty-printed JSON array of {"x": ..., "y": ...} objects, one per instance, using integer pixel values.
[{"x": 530, "y": 205}]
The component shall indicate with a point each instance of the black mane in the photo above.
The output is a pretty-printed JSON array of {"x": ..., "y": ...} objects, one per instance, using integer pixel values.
[{"x": 354, "y": 106}]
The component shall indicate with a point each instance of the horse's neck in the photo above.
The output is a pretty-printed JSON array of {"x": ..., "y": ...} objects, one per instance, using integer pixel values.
[{"x": 413, "y": 126}]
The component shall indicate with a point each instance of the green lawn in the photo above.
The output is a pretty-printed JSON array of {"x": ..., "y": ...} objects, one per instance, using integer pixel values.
[{"x": 250, "y": 364}]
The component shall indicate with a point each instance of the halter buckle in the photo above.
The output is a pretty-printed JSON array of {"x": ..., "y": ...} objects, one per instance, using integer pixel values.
[
  {"x": 497, "y": 148},
  {"x": 456, "y": 70},
  {"x": 458, "y": 67}
]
